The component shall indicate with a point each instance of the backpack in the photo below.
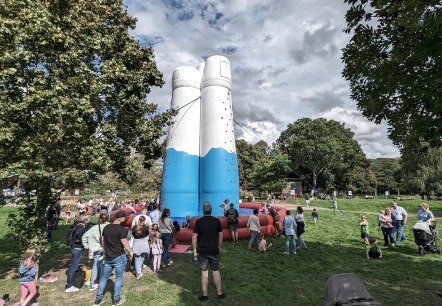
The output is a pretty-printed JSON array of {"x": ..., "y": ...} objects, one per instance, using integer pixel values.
[{"x": 232, "y": 218}]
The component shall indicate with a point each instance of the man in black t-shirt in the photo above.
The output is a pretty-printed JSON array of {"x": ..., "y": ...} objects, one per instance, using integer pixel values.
[
  {"x": 114, "y": 241},
  {"x": 206, "y": 241}
]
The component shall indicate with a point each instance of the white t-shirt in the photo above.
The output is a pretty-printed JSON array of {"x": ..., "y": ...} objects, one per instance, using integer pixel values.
[{"x": 148, "y": 221}]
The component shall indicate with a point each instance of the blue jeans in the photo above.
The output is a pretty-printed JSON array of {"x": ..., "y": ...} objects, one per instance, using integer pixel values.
[
  {"x": 289, "y": 238},
  {"x": 95, "y": 266},
  {"x": 388, "y": 233},
  {"x": 166, "y": 238},
  {"x": 76, "y": 258},
  {"x": 119, "y": 264},
  {"x": 399, "y": 226},
  {"x": 139, "y": 260},
  {"x": 253, "y": 237}
]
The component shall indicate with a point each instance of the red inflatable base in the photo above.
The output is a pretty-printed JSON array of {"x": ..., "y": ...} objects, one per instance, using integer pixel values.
[{"x": 265, "y": 220}]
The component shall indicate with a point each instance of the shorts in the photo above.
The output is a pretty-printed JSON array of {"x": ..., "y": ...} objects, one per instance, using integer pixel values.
[
  {"x": 364, "y": 235},
  {"x": 232, "y": 227},
  {"x": 208, "y": 260}
]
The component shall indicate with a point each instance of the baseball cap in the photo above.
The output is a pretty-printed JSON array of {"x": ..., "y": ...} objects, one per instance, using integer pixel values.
[{"x": 120, "y": 214}]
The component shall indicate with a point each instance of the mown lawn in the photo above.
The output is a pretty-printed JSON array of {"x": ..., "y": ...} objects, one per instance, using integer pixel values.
[{"x": 402, "y": 277}]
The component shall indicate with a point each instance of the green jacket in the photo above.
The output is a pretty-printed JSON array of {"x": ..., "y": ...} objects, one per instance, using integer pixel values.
[{"x": 91, "y": 239}]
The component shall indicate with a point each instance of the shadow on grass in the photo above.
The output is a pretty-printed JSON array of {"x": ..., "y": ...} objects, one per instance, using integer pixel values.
[{"x": 402, "y": 277}]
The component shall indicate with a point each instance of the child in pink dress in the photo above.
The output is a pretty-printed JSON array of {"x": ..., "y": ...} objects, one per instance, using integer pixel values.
[{"x": 262, "y": 244}]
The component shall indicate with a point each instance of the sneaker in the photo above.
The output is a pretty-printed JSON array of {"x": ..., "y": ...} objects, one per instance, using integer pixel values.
[
  {"x": 144, "y": 266},
  {"x": 286, "y": 253},
  {"x": 120, "y": 301},
  {"x": 237, "y": 242},
  {"x": 163, "y": 265},
  {"x": 294, "y": 253},
  {"x": 203, "y": 298},
  {"x": 170, "y": 262},
  {"x": 93, "y": 287},
  {"x": 98, "y": 302},
  {"x": 139, "y": 275},
  {"x": 220, "y": 297},
  {"x": 72, "y": 289}
]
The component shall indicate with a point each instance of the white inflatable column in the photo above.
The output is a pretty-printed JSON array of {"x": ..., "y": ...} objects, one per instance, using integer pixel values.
[
  {"x": 218, "y": 161},
  {"x": 180, "y": 190}
]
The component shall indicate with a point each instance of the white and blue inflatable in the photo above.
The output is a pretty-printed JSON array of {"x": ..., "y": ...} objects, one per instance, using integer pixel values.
[{"x": 201, "y": 163}]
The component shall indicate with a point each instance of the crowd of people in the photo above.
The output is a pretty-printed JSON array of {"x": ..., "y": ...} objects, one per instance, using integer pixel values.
[{"x": 152, "y": 232}]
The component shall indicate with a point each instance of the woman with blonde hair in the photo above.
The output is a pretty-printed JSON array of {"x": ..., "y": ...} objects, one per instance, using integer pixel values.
[
  {"x": 424, "y": 214},
  {"x": 387, "y": 228}
]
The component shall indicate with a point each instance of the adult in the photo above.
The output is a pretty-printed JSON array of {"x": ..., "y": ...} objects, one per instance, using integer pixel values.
[
  {"x": 155, "y": 214},
  {"x": 300, "y": 226},
  {"x": 114, "y": 238},
  {"x": 275, "y": 218},
  {"x": 92, "y": 241},
  {"x": 254, "y": 226},
  {"x": 289, "y": 224},
  {"x": 387, "y": 228},
  {"x": 307, "y": 199},
  {"x": 147, "y": 219},
  {"x": 165, "y": 227},
  {"x": 76, "y": 244},
  {"x": 51, "y": 217},
  {"x": 206, "y": 242},
  {"x": 232, "y": 216},
  {"x": 140, "y": 247},
  {"x": 424, "y": 214},
  {"x": 57, "y": 208},
  {"x": 399, "y": 218}
]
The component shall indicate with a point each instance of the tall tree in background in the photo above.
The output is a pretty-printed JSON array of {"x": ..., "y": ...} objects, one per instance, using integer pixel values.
[
  {"x": 249, "y": 155},
  {"x": 388, "y": 174},
  {"x": 322, "y": 148},
  {"x": 422, "y": 170},
  {"x": 73, "y": 87},
  {"x": 394, "y": 64}
]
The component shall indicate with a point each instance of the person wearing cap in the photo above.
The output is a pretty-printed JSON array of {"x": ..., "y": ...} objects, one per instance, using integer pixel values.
[
  {"x": 114, "y": 239},
  {"x": 207, "y": 238}
]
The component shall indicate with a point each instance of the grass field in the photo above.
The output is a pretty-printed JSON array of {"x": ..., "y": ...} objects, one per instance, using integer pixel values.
[{"x": 402, "y": 277}]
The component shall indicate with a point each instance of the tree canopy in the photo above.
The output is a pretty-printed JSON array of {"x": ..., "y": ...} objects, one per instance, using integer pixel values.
[
  {"x": 325, "y": 152},
  {"x": 73, "y": 87},
  {"x": 394, "y": 65}
]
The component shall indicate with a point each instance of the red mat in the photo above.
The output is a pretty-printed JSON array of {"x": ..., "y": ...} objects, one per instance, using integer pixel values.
[{"x": 180, "y": 248}]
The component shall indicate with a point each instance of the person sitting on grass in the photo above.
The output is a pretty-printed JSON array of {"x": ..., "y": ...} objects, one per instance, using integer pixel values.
[
  {"x": 364, "y": 229},
  {"x": 28, "y": 273},
  {"x": 373, "y": 249},
  {"x": 262, "y": 245}
]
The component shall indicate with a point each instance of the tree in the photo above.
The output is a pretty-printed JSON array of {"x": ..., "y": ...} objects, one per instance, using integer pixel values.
[
  {"x": 388, "y": 174},
  {"x": 394, "y": 62},
  {"x": 73, "y": 87},
  {"x": 248, "y": 156},
  {"x": 422, "y": 170},
  {"x": 321, "y": 148},
  {"x": 268, "y": 176}
]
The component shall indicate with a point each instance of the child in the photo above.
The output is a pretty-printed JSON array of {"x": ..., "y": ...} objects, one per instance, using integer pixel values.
[
  {"x": 176, "y": 232},
  {"x": 364, "y": 229},
  {"x": 315, "y": 215},
  {"x": 68, "y": 214},
  {"x": 381, "y": 217},
  {"x": 262, "y": 244},
  {"x": 373, "y": 249},
  {"x": 187, "y": 223},
  {"x": 157, "y": 249},
  {"x": 28, "y": 272}
]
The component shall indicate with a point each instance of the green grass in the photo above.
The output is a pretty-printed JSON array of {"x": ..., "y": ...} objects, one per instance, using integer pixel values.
[{"x": 402, "y": 277}]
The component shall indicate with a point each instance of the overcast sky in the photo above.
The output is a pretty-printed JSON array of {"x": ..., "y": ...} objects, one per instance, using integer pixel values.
[{"x": 285, "y": 57}]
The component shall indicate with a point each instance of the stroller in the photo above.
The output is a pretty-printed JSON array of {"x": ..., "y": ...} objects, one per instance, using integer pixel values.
[
  {"x": 347, "y": 289},
  {"x": 425, "y": 236}
]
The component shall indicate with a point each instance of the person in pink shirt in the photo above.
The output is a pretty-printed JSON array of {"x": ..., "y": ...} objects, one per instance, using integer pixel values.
[{"x": 262, "y": 244}]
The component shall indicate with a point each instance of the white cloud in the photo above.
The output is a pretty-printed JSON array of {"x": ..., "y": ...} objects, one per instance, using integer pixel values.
[{"x": 285, "y": 58}]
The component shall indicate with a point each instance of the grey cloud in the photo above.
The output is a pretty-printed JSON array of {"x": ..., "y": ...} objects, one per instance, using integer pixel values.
[
  {"x": 316, "y": 43},
  {"x": 323, "y": 101}
]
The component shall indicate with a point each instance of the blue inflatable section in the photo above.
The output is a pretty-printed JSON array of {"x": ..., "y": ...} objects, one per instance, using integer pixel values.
[
  {"x": 179, "y": 189},
  {"x": 219, "y": 179}
]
